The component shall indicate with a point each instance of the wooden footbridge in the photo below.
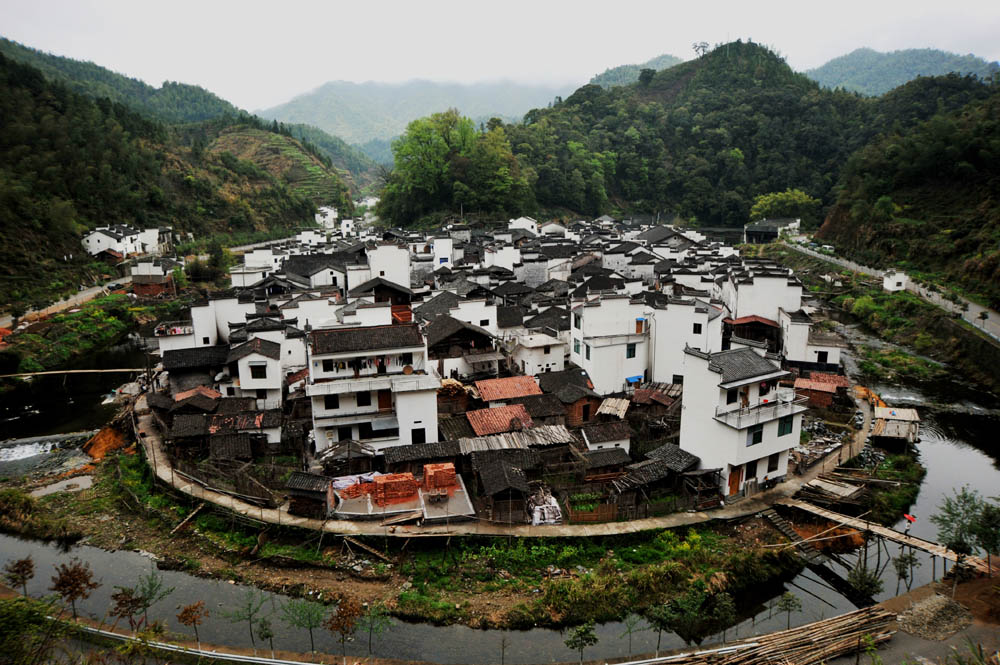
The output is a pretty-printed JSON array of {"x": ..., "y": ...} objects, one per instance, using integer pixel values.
[{"x": 906, "y": 539}]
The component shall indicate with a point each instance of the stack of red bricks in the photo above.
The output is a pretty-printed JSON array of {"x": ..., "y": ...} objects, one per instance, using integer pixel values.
[
  {"x": 356, "y": 490},
  {"x": 437, "y": 476},
  {"x": 393, "y": 488}
]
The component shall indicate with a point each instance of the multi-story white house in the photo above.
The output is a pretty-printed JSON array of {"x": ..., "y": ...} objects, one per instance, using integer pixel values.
[
  {"x": 537, "y": 353},
  {"x": 372, "y": 384},
  {"x": 735, "y": 418},
  {"x": 610, "y": 339},
  {"x": 676, "y": 324},
  {"x": 255, "y": 371},
  {"x": 119, "y": 238}
]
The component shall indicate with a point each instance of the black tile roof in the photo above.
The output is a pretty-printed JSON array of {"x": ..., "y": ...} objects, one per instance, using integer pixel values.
[
  {"x": 740, "y": 364},
  {"x": 605, "y": 432},
  {"x": 230, "y": 405},
  {"x": 230, "y": 446},
  {"x": 606, "y": 457},
  {"x": 259, "y": 345},
  {"x": 556, "y": 318},
  {"x": 437, "y": 306},
  {"x": 444, "y": 327},
  {"x": 455, "y": 428},
  {"x": 196, "y": 358},
  {"x": 541, "y": 406},
  {"x": 523, "y": 458},
  {"x": 510, "y": 317},
  {"x": 421, "y": 451},
  {"x": 512, "y": 289},
  {"x": 502, "y": 475},
  {"x": 188, "y": 425},
  {"x": 307, "y": 482},
  {"x": 677, "y": 459},
  {"x": 569, "y": 385},
  {"x": 368, "y": 338},
  {"x": 370, "y": 285}
]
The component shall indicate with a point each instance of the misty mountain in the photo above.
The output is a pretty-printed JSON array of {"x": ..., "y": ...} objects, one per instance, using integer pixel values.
[
  {"x": 871, "y": 72},
  {"x": 361, "y": 112},
  {"x": 629, "y": 74}
]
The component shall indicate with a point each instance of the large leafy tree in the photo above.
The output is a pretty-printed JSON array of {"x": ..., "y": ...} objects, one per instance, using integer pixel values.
[{"x": 443, "y": 162}]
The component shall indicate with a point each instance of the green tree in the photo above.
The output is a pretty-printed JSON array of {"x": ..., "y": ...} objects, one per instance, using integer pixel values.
[
  {"x": 788, "y": 603},
  {"x": 723, "y": 611},
  {"x": 19, "y": 572},
  {"x": 631, "y": 623},
  {"x": 581, "y": 637},
  {"x": 375, "y": 620},
  {"x": 791, "y": 203},
  {"x": 956, "y": 517},
  {"x": 864, "y": 580},
  {"x": 27, "y": 635},
  {"x": 986, "y": 531},
  {"x": 904, "y": 565},
  {"x": 266, "y": 633},
  {"x": 304, "y": 614},
  {"x": 659, "y": 617},
  {"x": 151, "y": 590},
  {"x": 646, "y": 77},
  {"x": 247, "y": 610}
]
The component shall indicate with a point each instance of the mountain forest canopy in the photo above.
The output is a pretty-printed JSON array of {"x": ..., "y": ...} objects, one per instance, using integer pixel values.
[
  {"x": 701, "y": 140},
  {"x": 628, "y": 74},
  {"x": 873, "y": 73},
  {"x": 69, "y": 163}
]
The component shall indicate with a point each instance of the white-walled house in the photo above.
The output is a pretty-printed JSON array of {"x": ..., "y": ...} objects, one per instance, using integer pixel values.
[
  {"x": 681, "y": 323},
  {"x": 255, "y": 371},
  {"x": 526, "y": 223},
  {"x": 894, "y": 280},
  {"x": 610, "y": 339},
  {"x": 118, "y": 238},
  {"x": 804, "y": 345},
  {"x": 326, "y": 217},
  {"x": 373, "y": 385},
  {"x": 607, "y": 435},
  {"x": 538, "y": 353},
  {"x": 735, "y": 418},
  {"x": 390, "y": 261},
  {"x": 761, "y": 288}
]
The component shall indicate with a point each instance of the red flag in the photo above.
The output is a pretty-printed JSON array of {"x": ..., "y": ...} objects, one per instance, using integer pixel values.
[{"x": 910, "y": 518}]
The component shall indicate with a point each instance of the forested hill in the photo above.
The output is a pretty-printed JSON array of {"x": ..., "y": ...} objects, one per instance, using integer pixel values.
[
  {"x": 702, "y": 139},
  {"x": 628, "y": 74},
  {"x": 172, "y": 102},
  {"x": 69, "y": 163},
  {"x": 871, "y": 72},
  {"x": 176, "y": 103},
  {"x": 360, "y": 112},
  {"x": 928, "y": 199}
]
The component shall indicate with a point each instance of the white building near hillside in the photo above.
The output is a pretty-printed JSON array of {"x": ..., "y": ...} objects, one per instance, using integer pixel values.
[
  {"x": 681, "y": 323},
  {"x": 610, "y": 339},
  {"x": 372, "y": 385},
  {"x": 735, "y": 418}
]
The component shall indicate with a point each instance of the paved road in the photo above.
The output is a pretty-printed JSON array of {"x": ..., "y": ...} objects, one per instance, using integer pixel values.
[
  {"x": 76, "y": 299},
  {"x": 970, "y": 312}
]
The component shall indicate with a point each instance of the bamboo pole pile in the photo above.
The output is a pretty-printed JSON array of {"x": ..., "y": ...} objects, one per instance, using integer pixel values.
[
  {"x": 818, "y": 642},
  {"x": 811, "y": 644}
]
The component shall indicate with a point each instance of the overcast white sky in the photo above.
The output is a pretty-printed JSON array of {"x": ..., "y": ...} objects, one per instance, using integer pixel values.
[{"x": 258, "y": 54}]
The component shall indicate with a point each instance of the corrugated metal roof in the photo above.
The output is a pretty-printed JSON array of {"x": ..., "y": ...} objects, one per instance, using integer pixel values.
[
  {"x": 613, "y": 406},
  {"x": 543, "y": 435}
]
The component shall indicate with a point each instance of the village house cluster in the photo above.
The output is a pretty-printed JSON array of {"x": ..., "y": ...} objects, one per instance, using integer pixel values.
[{"x": 524, "y": 372}]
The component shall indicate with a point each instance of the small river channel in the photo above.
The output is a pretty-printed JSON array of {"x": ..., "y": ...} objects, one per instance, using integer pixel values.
[{"x": 958, "y": 446}]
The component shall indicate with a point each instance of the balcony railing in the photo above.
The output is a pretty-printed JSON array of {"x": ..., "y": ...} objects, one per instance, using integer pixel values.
[
  {"x": 761, "y": 412},
  {"x": 168, "y": 328}
]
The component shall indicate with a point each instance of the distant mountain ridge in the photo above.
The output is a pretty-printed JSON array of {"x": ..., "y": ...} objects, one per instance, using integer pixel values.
[
  {"x": 872, "y": 73},
  {"x": 361, "y": 112},
  {"x": 629, "y": 74},
  {"x": 175, "y": 103}
]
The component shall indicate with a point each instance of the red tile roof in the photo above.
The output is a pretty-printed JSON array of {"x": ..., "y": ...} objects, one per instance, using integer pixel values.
[
  {"x": 820, "y": 386},
  {"x": 500, "y": 419},
  {"x": 513, "y": 386},
  {"x": 200, "y": 390},
  {"x": 753, "y": 318},
  {"x": 835, "y": 379}
]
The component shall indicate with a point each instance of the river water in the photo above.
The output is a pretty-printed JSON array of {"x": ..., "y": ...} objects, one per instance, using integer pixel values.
[
  {"x": 958, "y": 446},
  {"x": 70, "y": 402}
]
